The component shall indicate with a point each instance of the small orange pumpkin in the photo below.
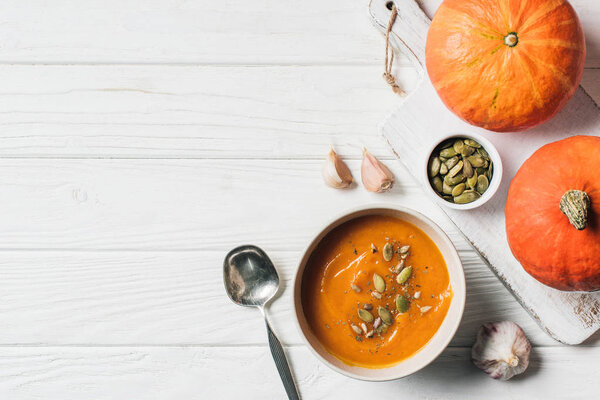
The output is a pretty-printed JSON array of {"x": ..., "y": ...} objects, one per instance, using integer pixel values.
[
  {"x": 505, "y": 65},
  {"x": 553, "y": 214}
]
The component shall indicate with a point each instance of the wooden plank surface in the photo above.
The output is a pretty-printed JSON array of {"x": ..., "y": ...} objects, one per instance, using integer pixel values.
[
  {"x": 198, "y": 32},
  {"x": 224, "y": 372}
]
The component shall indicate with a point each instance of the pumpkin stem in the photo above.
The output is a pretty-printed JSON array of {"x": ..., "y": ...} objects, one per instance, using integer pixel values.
[
  {"x": 575, "y": 205},
  {"x": 511, "y": 39}
]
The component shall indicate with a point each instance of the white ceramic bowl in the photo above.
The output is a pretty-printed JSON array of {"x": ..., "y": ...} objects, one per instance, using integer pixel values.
[
  {"x": 494, "y": 183},
  {"x": 441, "y": 338}
]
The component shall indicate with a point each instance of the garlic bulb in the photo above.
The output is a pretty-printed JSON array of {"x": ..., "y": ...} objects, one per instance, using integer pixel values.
[
  {"x": 501, "y": 350},
  {"x": 376, "y": 177},
  {"x": 335, "y": 171}
]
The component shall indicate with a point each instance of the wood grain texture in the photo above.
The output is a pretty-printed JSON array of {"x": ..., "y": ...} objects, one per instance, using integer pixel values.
[
  {"x": 123, "y": 373},
  {"x": 192, "y": 112},
  {"x": 191, "y": 32}
]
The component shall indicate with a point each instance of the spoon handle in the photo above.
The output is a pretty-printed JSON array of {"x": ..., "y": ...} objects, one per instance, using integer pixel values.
[{"x": 282, "y": 364}]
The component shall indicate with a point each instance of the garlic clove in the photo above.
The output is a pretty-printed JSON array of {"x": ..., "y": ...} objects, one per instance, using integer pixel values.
[
  {"x": 335, "y": 171},
  {"x": 376, "y": 177},
  {"x": 501, "y": 350}
]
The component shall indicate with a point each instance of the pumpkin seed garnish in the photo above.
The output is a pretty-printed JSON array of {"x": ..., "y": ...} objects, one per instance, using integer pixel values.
[
  {"x": 368, "y": 306},
  {"x": 458, "y": 145},
  {"x": 365, "y": 315},
  {"x": 451, "y": 162},
  {"x": 456, "y": 169},
  {"x": 388, "y": 252},
  {"x": 385, "y": 315},
  {"x": 404, "y": 275},
  {"x": 472, "y": 143},
  {"x": 437, "y": 184},
  {"x": 472, "y": 181},
  {"x": 425, "y": 309},
  {"x": 356, "y": 329},
  {"x": 449, "y": 152},
  {"x": 482, "y": 184},
  {"x": 434, "y": 166},
  {"x": 370, "y": 334},
  {"x": 458, "y": 189},
  {"x": 364, "y": 327},
  {"x": 467, "y": 151},
  {"x": 402, "y": 304},
  {"x": 446, "y": 189},
  {"x": 467, "y": 169},
  {"x": 354, "y": 287},
  {"x": 377, "y": 323},
  {"x": 404, "y": 249},
  {"x": 468, "y": 196},
  {"x": 459, "y": 167},
  {"x": 417, "y": 295},
  {"x": 376, "y": 294},
  {"x": 379, "y": 283}
]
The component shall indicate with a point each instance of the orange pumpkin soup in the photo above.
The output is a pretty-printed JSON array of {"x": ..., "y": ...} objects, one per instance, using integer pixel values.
[{"x": 368, "y": 311}]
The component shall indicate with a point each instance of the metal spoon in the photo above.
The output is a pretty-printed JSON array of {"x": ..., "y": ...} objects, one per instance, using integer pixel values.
[{"x": 251, "y": 280}]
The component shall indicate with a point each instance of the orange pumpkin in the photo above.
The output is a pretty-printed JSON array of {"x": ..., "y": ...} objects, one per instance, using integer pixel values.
[
  {"x": 505, "y": 65},
  {"x": 553, "y": 214}
]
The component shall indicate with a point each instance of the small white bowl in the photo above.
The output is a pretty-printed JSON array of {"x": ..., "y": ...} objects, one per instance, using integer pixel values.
[
  {"x": 496, "y": 176},
  {"x": 441, "y": 338}
]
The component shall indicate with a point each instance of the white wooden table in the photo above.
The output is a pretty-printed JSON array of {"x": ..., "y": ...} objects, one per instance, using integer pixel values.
[{"x": 142, "y": 139}]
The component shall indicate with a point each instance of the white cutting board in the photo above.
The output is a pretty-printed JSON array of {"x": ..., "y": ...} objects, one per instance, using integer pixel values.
[{"x": 422, "y": 119}]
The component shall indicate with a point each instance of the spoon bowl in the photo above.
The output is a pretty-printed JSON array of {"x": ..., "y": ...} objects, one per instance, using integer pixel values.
[{"x": 250, "y": 277}]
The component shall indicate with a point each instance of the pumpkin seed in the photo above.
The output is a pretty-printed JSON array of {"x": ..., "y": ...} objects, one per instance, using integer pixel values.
[
  {"x": 451, "y": 162},
  {"x": 434, "y": 166},
  {"x": 437, "y": 184},
  {"x": 368, "y": 306},
  {"x": 458, "y": 146},
  {"x": 443, "y": 169},
  {"x": 356, "y": 329},
  {"x": 489, "y": 171},
  {"x": 472, "y": 181},
  {"x": 446, "y": 143},
  {"x": 467, "y": 196},
  {"x": 388, "y": 252},
  {"x": 483, "y": 153},
  {"x": 467, "y": 151},
  {"x": 377, "y": 323},
  {"x": 448, "y": 198},
  {"x": 454, "y": 180},
  {"x": 402, "y": 304},
  {"x": 379, "y": 283},
  {"x": 467, "y": 168},
  {"x": 472, "y": 143},
  {"x": 364, "y": 327},
  {"x": 370, "y": 334},
  {"x": 404, "y": 275},
  {"x": 480, "y": 170},
  {"x": 376, "y": 294},
  {"x": 458, "y": 189},
  {"x": 365, "y": 315},
  {"x": 404, "y": 249},
  {"x": 417, "y": 295},
  {"x": 482, "y": 184},
  {"x": 425, "y": 309},
  {"x": 476, "y": 161},
  {"x": 455, "y": 170},
  {"x": 354, "y": 287},
  {"x": 446, "y": 189},
  {"x": 385, "y": 315},
  {"x": 448, "y": 152}
]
